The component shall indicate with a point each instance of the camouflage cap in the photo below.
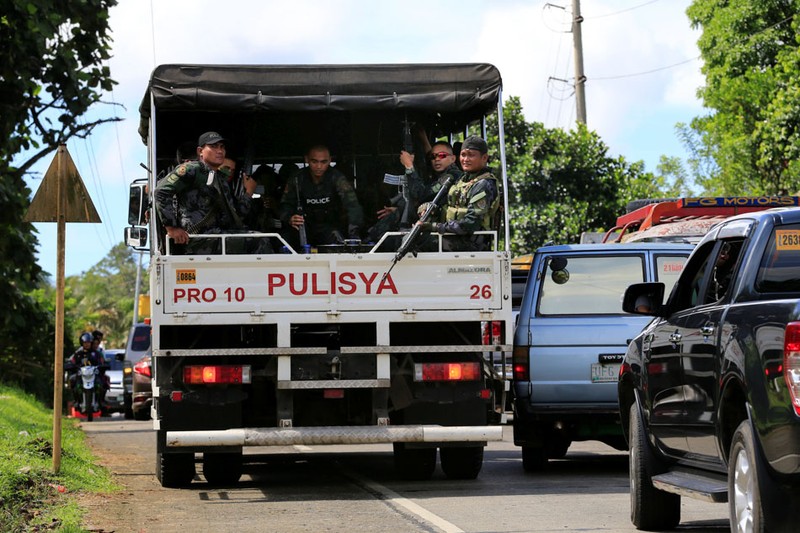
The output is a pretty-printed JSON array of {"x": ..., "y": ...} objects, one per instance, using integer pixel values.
[
  {"x": 210, "y": 137},
  {"x": 473, "y": 142}
]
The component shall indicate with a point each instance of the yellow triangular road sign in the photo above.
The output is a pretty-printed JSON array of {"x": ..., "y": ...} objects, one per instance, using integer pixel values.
[{"x": 78, "y": 206}]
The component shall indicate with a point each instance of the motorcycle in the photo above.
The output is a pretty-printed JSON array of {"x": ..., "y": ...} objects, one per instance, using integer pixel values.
[{"x": 87, "y": 382}]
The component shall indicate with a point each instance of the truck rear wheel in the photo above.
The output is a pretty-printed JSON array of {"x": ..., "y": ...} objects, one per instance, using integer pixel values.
[
  {"x": 650, "y": 508},
  {"x": 462, "y": 462},
  {"x": 175, "y": 469},
  {"x": 222, "y": 468},
  {"x": 414, "y": 463}
]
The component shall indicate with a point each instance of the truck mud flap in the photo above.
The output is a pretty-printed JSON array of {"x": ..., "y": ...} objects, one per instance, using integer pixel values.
[{"x": 333, "y": 435}]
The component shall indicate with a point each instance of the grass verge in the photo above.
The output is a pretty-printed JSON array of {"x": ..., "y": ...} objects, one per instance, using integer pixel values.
[{"x": 32, "y": 496}]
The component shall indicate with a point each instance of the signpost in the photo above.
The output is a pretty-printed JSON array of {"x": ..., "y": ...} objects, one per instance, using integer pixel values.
[{"x": 61, "y": 198}]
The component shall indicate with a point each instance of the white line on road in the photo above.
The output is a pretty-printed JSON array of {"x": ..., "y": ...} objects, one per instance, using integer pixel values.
[{"x": 393, "y": 498}]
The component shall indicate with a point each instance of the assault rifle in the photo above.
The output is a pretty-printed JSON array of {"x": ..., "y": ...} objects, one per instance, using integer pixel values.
[
  {"x": 408, "y": 146},
  {"x": 301, "y": 212},
  {"x": 413, "y": 235}
]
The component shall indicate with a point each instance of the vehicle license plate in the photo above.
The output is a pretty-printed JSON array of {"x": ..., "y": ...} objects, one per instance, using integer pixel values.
[
  {"x": 604, "y": 373},
  {"x": 112, "y": 397}
]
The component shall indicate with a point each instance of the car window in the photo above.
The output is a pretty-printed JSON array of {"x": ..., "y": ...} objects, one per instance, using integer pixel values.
[
  {"x": 141, "y": 339},
  {"x": 779, "y": 270},
  {"x": 588, "y": 285},
  {"x": 113, "y": 364},
  {"x": 726, "y": 257},
  {"x": 688, "y": 293},
  {"x": 668, "y": 270}
]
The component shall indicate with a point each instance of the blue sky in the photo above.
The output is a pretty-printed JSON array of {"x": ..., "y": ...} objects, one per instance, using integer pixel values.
[{"x": 640, "y": 58}]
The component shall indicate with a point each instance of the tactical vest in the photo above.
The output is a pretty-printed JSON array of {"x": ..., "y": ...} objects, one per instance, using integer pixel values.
[{"x": 458, "y": 200}]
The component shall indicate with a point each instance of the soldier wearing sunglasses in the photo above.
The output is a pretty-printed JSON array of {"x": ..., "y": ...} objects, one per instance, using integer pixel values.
[
  {"x": 472, "y": 202},
  {"x": 421, "y": 189}
]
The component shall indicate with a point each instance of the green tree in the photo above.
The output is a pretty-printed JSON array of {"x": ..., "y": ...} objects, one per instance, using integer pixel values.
[
  {"x": 563, "y": 183},
  {"x": 104, "y": 296},
  {"x": 50, "y": 75},
  {"x": 750, "y": 62}
]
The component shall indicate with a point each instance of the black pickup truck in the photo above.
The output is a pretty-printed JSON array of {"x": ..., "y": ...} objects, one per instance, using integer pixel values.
[{"x": 709, "y": 391}]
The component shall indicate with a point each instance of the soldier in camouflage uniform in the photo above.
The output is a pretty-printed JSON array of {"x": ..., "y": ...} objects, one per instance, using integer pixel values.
[
  {"x": 195, "y": 198},
  {"x": 473, "y": 201},
  {"x": 329, "y": 208},
  {"x": 421, "y": 189}
]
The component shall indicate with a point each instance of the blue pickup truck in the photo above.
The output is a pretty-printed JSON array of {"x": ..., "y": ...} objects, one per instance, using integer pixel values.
[{"x": 709, "y": 391}]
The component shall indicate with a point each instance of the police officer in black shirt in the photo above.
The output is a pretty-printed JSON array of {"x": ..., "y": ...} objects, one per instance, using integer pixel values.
[{"x": 323, "y": 199}]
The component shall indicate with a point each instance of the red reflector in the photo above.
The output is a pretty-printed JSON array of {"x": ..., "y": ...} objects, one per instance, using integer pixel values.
[
  {"x": 333, "y": 394},
  {"x": 491, "y": 332},
  {"x": 485, "y": 394},
  {"x": 176, "y": 396},
  {"x": 216, "y": 374},
  {"x": 447, "y": 372}
]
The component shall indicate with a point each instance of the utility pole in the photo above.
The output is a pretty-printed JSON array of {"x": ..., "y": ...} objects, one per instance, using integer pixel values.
[{"x": 580, "y": 77}]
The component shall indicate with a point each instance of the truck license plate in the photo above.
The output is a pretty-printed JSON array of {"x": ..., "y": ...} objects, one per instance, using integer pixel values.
[{"x": 604, "y": 373}]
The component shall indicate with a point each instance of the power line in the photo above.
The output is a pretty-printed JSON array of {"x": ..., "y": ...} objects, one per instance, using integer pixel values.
[
  {"x": 622, "y": 10},
  {"x": 645, "y": 72}
]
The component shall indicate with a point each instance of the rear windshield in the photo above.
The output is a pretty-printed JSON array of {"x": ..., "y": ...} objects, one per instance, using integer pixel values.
[
  {"x": 780, "y": 267},
  {"x": 141, "y": 339},
  {"x": 589, "y": 285},
  {"x": 113, "y": 364}
]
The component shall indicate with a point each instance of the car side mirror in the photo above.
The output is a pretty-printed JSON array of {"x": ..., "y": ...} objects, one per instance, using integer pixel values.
[
  {"x": 643, "y": 299},
  {"x": 137, "y": 203},
  {"x": 136, "y": 237}
]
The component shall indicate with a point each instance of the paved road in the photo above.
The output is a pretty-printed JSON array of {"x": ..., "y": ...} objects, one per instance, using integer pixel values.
[{"x": 348, "y": 488}]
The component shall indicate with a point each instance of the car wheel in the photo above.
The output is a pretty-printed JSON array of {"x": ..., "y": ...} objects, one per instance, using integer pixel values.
[
  {"x": 222, "y": 468},
  {"x": 142, "y": 414},
  {"x": 650, "y": 508},
  {"x": 175, "y": 469},
  {"x": 534, "y": 458},
  {"x": 461, "y": 462},
  {"x": 558, "y": 448},
  {"x": 414, "y": 463},
  {"x": 744, "y": 498},
  {"x": 128, "y": 409}
]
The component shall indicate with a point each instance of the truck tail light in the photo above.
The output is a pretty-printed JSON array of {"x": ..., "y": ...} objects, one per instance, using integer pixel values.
[
  {"x": 447, "y": 371},
  {"x": 791, "y": 363},
  {"x": 216, "y": 374},
  {"x": 520, "y": 363},
  {"x": 491, "y": 333},
  {"x": 143, "y": 368}
]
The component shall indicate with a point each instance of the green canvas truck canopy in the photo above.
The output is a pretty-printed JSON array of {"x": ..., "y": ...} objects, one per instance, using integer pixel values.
[{"x": 459, "y": 93}]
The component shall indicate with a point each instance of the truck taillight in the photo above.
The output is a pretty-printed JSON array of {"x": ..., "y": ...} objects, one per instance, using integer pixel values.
[
  {"x": 520, "y": 363},
  {"x": 791, "y": 363},
  {"x": 447, "y": 372},
  {"x": 216, "y": 374},
  {"x": 491, "y": 333}
]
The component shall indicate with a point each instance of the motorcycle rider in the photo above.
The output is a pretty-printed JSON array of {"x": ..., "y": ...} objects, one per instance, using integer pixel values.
[{"x": 94, "y": 358}]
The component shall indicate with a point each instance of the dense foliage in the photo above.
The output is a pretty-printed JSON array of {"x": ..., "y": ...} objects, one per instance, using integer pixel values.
[
  {"x": 52, "y": 72},
  {"x": 750, "y": 141},
  {"x": 564, "y": 183}
]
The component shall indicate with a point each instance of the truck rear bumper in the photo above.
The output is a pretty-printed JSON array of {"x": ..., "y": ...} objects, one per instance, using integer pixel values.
[{"x": 333, "y": 435}]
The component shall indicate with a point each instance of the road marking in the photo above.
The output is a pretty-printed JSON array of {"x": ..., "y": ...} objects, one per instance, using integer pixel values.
[
  {"x": 301, "y": 448},
  {"x": 393, "y": 498}
]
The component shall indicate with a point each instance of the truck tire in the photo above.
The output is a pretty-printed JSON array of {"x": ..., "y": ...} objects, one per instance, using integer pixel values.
[
  {"x": 650, "y": 508},
  {"x": 558, "y": 448},
  {"x": 414, "y": 463},
  {"x": 222, "y": 468},
  {"x": 744, "y": 498},
  {"x": 461, "y": 462},
  {"x": 534, "y": 458},
  {"x": 175, "y": 469}
]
